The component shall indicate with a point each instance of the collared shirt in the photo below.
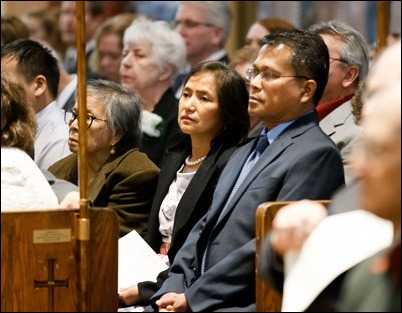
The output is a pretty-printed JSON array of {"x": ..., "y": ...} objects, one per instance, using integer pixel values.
[{"x": 51, "y": 141}]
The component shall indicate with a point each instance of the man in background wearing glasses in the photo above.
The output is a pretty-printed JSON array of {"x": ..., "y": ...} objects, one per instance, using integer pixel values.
[
  {"x": 205, "y": 27},
  {"x": 348, "y": 68}
]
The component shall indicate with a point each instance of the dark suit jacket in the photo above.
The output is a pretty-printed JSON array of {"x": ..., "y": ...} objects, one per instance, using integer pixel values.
[
  {"x": 69, "y": 103},
  {"x": 178, "y": 83},
  {"x": 193, "y": 204},
  {"x": 155, "y": 147},
  {"x": 301, "y": 163},
  {"x": 125, "y": 183}
]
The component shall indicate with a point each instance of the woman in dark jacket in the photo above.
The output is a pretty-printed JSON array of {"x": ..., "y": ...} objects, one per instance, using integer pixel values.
[{"x": 213, "y": 113}]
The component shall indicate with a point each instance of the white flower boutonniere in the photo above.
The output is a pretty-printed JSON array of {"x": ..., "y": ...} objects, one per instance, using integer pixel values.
[{"x": 152, "y": 124}]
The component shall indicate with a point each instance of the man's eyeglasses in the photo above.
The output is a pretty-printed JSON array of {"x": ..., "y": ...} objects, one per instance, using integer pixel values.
[
  {"x": 336, "y": 59},
  {"x": 190, "y": 24},
  {"x": 70, "y": 116},
  {"x": 268, "y": 75}
]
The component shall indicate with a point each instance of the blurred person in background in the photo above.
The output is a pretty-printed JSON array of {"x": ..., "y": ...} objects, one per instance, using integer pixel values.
[
  {"x": 205, "y": 27},
  {"x": 243, "y": 60},
  {"x": 43, "y": 25},
  {"x": 153, "y": 56},
  {"x": 263, "y": 27},
  {"x": 107, "y": 53},
  {"x": 12, "y": 28}
]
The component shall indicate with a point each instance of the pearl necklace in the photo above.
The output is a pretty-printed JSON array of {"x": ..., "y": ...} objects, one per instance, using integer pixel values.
[{"x": 194, "y": 163}]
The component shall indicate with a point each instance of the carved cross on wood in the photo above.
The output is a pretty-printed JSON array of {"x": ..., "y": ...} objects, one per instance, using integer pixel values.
[{"x": 51, "y": 283}]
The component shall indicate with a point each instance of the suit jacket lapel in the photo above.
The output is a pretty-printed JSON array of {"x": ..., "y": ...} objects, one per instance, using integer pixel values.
[
  {"x": 336, "y": 118},
  {"x": 273, "y": 151},
  {"x": 195, "y": 190},
  {"x": 229, "y": 177}
]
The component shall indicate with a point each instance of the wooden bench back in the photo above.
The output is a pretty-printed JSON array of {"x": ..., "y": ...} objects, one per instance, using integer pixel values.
[
  {"x": 40, "y": 261},
  {"x": 268, "y": 299}
]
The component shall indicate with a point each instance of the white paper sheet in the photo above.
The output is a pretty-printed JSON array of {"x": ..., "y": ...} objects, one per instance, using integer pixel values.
[
  {"x": 137, "y": 261},
  {"x": 338, "y": 243}
]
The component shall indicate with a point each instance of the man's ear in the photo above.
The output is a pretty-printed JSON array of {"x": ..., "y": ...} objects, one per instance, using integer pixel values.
[
  {"x": 351, "y": 76},
  {"x": 218, "y": 35},
  {"x": 308, "y": 90},
  {"x": 40, "y": 85}
]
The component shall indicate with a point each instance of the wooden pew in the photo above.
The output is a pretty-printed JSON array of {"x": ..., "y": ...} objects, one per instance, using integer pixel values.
[
  {"x": 40, "y": 261},
  {"x": 267, "y": 299}
]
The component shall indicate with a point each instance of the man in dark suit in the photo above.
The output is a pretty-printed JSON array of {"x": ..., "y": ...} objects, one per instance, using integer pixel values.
[
  {"x": 376, "y": 189},
  {"x": 215, "y": 268},
  {"x": 205, "y": 27}
]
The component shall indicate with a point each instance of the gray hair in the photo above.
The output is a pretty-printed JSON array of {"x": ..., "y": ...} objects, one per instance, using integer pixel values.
[
  {"x": 122, "y": 110},
  {"x": 353, "y": 49},
  {"x": 217, "y": 13},
  {"x": 168, "y": 46}
]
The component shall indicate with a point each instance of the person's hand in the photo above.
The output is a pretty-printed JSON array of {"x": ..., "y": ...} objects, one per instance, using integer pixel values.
[
  {"x": 173, "y": 302},
  {"x": 130, "y": 295},
  {"x": 70, "y": 201},
  {"x": 293, "y": 223}
]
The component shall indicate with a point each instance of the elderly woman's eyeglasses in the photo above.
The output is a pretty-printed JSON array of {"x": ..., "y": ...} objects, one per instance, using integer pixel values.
[
  {"x": 268, "y": 75},
  {"x": 70, "y": 116}
]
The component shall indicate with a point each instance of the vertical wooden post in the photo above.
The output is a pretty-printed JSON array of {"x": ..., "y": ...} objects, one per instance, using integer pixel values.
[
  {"x": 83, "y": 227},
  {"x": 383, "y": 16}
]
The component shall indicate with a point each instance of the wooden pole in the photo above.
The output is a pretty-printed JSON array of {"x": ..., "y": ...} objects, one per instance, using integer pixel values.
[
  {"x": 383, "y": 14},
  {"x": 83, "y": 227}
]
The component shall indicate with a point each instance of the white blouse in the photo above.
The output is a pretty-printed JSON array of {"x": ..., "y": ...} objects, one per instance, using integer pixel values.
[
  {"x": 23, "y": 185},
  {"x": 168, "y": 208}
]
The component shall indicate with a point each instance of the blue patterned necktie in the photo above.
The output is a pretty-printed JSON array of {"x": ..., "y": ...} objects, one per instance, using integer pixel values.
[
  {"x": 261, "y": 145},
  {"x": 248, "y": 165}
]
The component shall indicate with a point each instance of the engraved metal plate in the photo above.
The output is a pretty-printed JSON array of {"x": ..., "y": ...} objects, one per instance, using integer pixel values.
[{"x": 52, "y": 235}]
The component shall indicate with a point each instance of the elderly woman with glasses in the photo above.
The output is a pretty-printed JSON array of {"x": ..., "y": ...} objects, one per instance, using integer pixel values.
[{"x": 119, "y": 175}]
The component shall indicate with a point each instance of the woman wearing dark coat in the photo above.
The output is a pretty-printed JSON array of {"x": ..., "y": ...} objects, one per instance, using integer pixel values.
[{"x": 213, "y": 114}]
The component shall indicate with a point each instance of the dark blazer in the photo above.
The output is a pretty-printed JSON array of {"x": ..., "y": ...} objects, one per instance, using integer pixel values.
[
  {"x": 155, "y": 147},
  {"x": 301, "y": 163},
  {"x": 69, "y": 103},
  {"x": 192, "y": 206},
  {"x": 126, "y": 183}
]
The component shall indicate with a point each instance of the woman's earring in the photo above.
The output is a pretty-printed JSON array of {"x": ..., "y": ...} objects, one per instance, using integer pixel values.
[{"x": 112, "y": 150}]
